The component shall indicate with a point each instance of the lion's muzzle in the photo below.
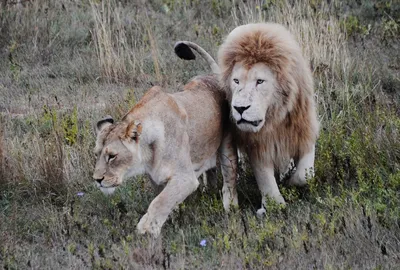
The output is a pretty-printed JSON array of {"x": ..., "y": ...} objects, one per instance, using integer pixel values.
[
  {"x": 253, "y": 123},
  {"x": 240, "y": 110}
]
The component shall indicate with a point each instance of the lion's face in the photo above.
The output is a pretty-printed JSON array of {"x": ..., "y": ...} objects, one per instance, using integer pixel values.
[
  {"x": 253, "y": 93},
  {"x": 117, "y": 153}
]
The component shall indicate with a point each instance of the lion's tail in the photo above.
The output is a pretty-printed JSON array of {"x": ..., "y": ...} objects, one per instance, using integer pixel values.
[{"x": 183, "y": 50}]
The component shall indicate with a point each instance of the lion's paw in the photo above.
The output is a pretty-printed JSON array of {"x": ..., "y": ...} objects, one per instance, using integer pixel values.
[
  {"x": 229, "y": 199},
  {"x": 148, "y": 225},
  {"x": 296, "y": 180}
]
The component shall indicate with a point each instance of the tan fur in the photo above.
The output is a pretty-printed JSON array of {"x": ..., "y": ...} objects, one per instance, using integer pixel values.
[
  {"x": 291, "y": 127},
  {"x": 173, "y": 138}
]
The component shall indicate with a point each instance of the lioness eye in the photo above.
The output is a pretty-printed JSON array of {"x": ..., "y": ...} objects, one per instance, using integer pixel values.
[
  {"x": 236, "y": 81},
  {"x": 111, "y": 157},
  {"x": 260, "y": 82}
]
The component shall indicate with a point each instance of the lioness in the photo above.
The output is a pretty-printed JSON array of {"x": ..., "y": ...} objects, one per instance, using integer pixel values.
[
  {"x": 270, "y": 89},
  {"x": 173, "y": 138}
]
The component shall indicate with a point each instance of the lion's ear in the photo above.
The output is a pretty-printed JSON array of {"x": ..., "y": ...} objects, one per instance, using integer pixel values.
[
  {"x": 134, "y": 130},
  {"x": 103, "y": 123}
]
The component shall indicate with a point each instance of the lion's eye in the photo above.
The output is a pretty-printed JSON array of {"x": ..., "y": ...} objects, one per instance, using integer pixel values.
[
  {"x": 236, "y": 81},
  {"x": 260, "y": 81},
  {"x": 111, "y": 157}
]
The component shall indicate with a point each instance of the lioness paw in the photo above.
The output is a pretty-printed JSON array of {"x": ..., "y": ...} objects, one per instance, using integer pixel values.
[{"x": 148, "y": 225}]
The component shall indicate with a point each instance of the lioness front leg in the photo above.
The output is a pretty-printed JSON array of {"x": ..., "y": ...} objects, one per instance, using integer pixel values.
[
  {"x": 229, "y": 159},
  {"x": 175, "y": 192},
  {"x": 264, "y": 173},
  {"x": 304, "y": 169}
]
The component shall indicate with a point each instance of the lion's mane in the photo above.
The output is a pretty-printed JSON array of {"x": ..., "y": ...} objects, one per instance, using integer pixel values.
[{"x": 291, "y": 126}]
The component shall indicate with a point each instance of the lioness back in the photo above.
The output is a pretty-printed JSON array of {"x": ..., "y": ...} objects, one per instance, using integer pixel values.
[{"x": 207, "y": 111}]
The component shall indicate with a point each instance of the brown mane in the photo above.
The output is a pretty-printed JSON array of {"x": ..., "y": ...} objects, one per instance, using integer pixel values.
[{"x": 291, "y": 128}]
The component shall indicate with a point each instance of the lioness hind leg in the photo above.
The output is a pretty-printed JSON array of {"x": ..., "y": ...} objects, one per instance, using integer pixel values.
[
  {"x": 208, "y": 172},
  {"x": 264, "y": 174},
  {"x": 304, "y": 169},
  {"x": 229, "y": 162},
  {"x": 176, "y": 191},
  {"x": 210, "y": 178}
]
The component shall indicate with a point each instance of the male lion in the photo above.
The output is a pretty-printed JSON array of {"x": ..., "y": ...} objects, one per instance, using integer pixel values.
[
  {"x": 270, "y": 88},
  {"x": 173, "y": 138}
]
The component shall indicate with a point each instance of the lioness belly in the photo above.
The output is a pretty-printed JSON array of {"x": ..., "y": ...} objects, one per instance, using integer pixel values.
[{"x": 200, "y": 168}]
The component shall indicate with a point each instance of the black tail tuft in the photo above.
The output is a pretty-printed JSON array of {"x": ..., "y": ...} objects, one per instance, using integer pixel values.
[{"x": 184, "y": 52}]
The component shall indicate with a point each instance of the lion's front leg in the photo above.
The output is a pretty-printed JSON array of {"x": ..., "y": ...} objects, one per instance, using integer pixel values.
[
  {"x": 175, "y": 192},
  {"x": 304, "y": 169},
  {"x": 264, "y": 173},
  {"x": 228, "y": 158}
]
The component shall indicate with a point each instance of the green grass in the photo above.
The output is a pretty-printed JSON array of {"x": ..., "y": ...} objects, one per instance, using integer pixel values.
[{"x": 67, "y": 63}]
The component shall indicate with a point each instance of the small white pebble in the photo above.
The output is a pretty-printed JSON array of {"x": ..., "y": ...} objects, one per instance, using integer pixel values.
[{"x": 261, "y": 212}]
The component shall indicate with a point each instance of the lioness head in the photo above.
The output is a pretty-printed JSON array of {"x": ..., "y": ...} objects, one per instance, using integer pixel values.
[
  {"x": 262, "y": 70},
  {"x": 117, "y": 151}
]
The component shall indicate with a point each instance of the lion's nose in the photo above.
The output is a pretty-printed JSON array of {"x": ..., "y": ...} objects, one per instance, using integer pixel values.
[
  {"x": 98, "y": 180},
  {"x": 241, "y": 109}
]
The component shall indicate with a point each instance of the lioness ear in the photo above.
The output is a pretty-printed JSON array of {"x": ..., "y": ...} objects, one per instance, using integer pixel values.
[
  {"x": 103, "y": 123},
  {"x": 183, "y": 51},
  {"x": 134, "y": 130}
]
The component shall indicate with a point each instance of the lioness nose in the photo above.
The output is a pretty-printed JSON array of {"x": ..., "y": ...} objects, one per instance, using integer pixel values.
[
  {"x": 98, "y": 180},
  {"x": 241, "y": 109}
]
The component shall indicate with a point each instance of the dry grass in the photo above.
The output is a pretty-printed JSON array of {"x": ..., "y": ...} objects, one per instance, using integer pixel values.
[
  {"x": 68, "y": 63},
  {"x": 3, "y": 164},
  {"x": 117, "y": 59}
]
